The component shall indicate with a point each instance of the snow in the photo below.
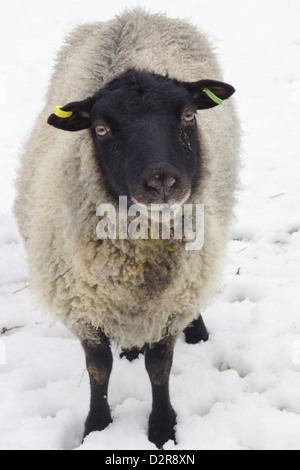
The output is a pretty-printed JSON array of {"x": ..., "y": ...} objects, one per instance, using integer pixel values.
[{"x": 241, "y": 389}]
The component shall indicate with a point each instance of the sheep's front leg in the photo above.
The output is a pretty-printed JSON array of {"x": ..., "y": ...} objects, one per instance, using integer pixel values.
[
  {"x": 99, "y": 364},
  {"x": 158, "y": 360}
]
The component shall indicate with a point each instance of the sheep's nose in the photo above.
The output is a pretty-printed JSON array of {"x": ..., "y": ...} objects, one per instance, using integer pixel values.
[
  {"x": 162, "y": 180},
  {"x": 162, "y": 184}
]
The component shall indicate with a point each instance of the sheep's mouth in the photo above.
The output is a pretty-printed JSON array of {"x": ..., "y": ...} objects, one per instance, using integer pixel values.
[
  {"x": 160, "y": 203},
  {"x": 168, "y": 193}
]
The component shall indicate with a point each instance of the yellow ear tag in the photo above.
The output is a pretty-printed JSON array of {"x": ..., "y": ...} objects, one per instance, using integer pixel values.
[{"x": 62, "y": 114}]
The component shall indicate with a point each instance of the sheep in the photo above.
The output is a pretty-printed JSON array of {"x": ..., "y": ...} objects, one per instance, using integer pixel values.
[{"x": 139, "y": 98}]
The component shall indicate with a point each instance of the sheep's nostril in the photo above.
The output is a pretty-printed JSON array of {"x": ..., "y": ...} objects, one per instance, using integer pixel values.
[
  {"x": 169, "y": 182},
  {"x": 162, "y": 184}
]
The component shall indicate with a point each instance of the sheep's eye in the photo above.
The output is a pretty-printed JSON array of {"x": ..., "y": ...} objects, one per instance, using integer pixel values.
[
  {"x": 102, "y": 130},
  {"x": 189, "y": 116}
]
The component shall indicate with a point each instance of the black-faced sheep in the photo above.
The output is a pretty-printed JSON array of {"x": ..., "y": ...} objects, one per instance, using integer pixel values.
[{"x": 131, "y": 89}]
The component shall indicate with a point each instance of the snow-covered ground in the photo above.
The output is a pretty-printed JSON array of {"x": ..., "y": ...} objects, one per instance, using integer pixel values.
[{"x": 240, "y": 390}]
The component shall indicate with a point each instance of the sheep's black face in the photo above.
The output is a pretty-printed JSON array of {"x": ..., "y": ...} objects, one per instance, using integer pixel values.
[{"x": 145, "y": 133}]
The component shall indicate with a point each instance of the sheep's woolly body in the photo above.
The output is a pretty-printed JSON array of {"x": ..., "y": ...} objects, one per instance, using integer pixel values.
[{"x": 135, "y": 292}]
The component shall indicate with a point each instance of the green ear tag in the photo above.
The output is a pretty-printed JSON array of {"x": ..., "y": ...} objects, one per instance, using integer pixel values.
[{"x": 212, "y": 96}]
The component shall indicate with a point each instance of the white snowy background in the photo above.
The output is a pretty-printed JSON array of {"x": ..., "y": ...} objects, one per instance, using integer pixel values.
[{"x": 240, "y": 390}]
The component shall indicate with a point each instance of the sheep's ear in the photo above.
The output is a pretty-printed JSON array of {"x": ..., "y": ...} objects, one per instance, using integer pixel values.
[
  {"x": 209, "y": 93},
  {"x": 73, "y": 116}
]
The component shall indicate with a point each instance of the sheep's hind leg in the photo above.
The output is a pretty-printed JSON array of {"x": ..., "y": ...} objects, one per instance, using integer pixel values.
[
  {"x": 99, "y": 364},
  {"x": 158, "y": 361},
  {"x": 132, "y": 354},
  {"x": 196, "y": 332}
]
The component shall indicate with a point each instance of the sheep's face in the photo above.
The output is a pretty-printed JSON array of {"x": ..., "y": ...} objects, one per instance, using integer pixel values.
[{"x": 145, "y": 133}]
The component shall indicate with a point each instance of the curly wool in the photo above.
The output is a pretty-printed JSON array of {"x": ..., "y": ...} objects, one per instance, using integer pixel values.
[{"x": 134, "y": 292}]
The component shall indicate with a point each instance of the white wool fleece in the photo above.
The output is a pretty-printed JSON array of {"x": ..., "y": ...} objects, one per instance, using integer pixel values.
[{"x": 134, "y": 292}]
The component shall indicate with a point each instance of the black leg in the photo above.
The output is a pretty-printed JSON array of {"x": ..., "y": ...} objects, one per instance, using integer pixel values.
[
  {"x": 158, "y": 360},
  {"x": 99, "y": 364},
  {"x": 196, "y": 332}
]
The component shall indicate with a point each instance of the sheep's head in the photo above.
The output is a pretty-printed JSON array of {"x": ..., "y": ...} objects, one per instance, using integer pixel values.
[{"x": 145, "y": 133}]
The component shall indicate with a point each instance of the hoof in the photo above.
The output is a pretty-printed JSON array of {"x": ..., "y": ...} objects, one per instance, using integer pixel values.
[
  {"x": 196, "y": 332},
  {"x": 94, "y": 423},
  {"x": 162, "y": 428}
]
